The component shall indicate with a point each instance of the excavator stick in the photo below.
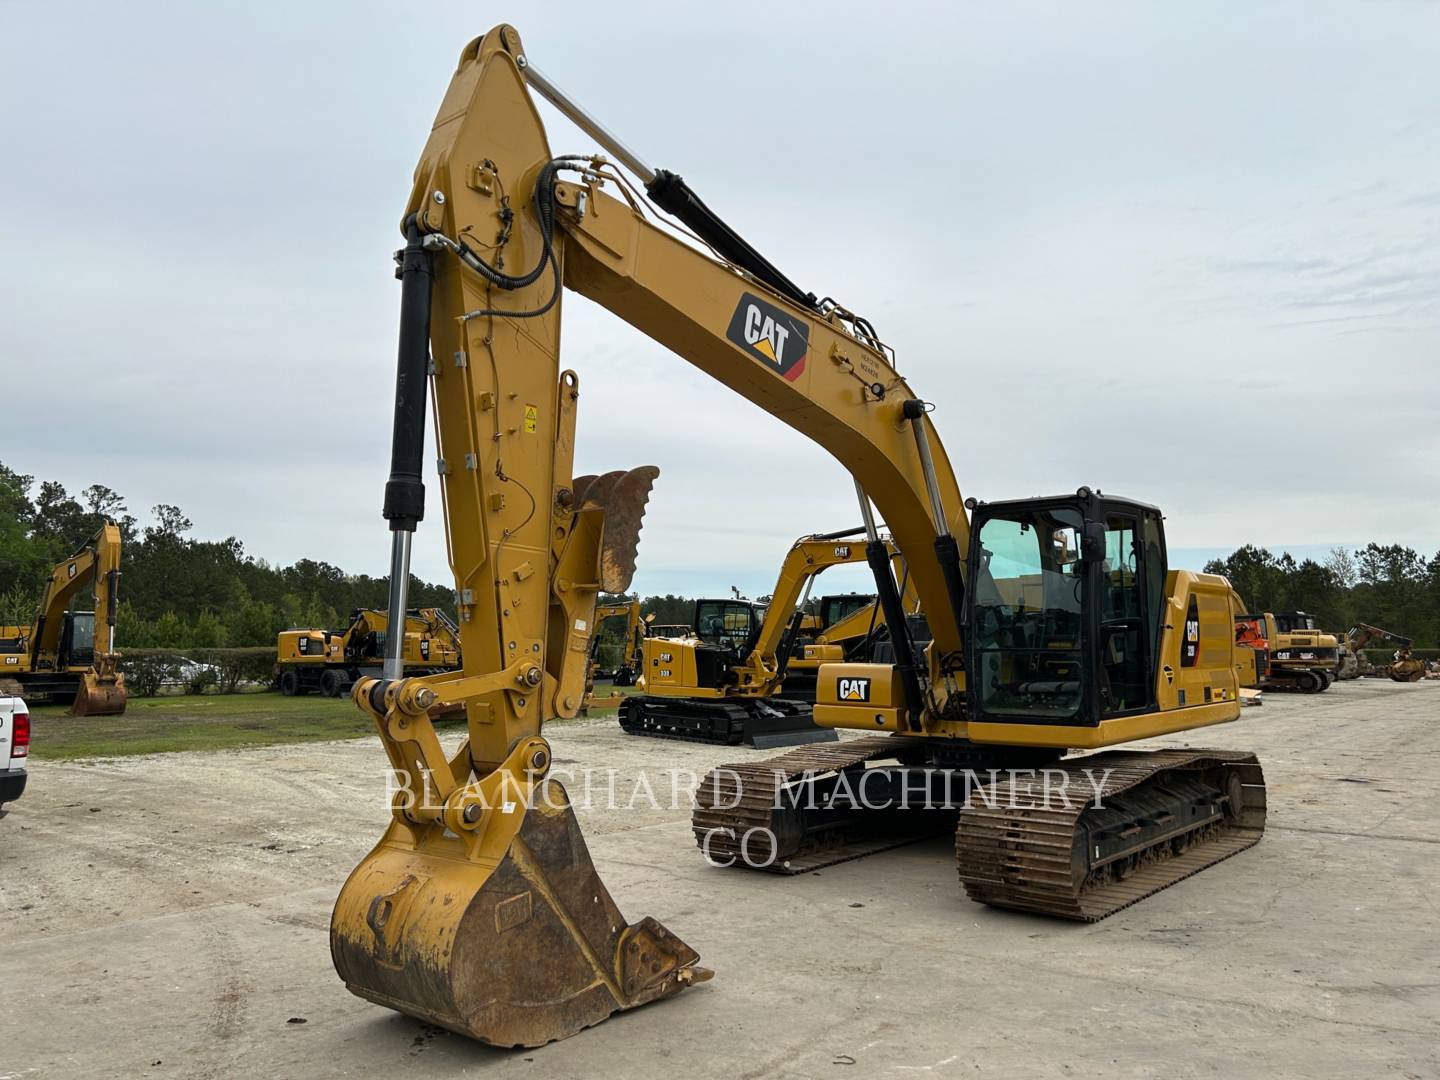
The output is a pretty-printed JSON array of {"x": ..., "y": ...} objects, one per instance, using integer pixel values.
[
  {"x": 518, "y": 950},
  {"x": 99, "y": 694},
  {"x": 480, "y": 910}
]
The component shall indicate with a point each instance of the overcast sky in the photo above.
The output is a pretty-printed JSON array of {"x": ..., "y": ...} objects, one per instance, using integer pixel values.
[{"x": 1184, "y": 252}]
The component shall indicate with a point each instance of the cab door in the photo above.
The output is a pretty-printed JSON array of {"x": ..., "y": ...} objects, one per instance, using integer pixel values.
[{"x": 1129, "y": 598}]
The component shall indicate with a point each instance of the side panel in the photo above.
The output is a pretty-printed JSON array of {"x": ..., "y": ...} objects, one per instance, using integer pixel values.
[
  {"x": 865, "y": 697},
  {"x": 1197, "y": 643},
  {"x": 671, "y": 669}
]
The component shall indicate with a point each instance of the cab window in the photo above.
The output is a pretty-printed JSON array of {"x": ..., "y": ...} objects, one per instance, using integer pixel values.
[
  {"x": 1029, "y": 629},
  {"x": 727, "y": 623},
  {"x": 1124, "y": 664}
]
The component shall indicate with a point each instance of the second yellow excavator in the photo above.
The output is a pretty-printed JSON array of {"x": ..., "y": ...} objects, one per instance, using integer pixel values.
[
  {"x": 330, "y": 661},
  {"x": 67, "y": 656},
  {"x": 851, "y": 627},
  {"x": 722, "y": 682},
  {"x": 1057, "y": 623},
  {"x": 632, "y": 642}
]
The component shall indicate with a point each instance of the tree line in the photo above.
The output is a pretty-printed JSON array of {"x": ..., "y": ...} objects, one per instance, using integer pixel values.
[
  {"x": 1387, "y": 585},
  {"x": 180, "y": 592},
  {"x": 177, "y": 592}
]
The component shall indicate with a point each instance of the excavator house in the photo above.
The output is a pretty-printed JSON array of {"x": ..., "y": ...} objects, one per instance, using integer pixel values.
[{"x": 1056, "y": 623}]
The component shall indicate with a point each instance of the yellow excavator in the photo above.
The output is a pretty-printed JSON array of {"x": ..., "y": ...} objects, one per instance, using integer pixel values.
[
  {"x": 721, "y": 683},
  {"x": 1057, "y": 623},
  {"x": 851, "y": 627},
  {"x": 1298, "y": 657},
  {"x": 627, "y": 669},
  {"x": 1299, "y": 642},
  {"x": 329, "y": 661},
  {"x": 68, "y": 657}
]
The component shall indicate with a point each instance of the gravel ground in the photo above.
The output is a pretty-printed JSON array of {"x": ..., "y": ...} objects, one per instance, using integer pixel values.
[{"x": 167, "y": 916}]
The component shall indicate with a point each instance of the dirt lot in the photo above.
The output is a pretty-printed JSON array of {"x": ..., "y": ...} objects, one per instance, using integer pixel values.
[{"x": 166, "y": 916}]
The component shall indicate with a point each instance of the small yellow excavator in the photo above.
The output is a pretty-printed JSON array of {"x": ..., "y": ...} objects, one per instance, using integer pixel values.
[
  {"x": 852, "y": 627},
  {"x": 722, "y": 682},
  {"x": 59, "y": 657},
  {"x": 330, "y": 661},
  {"x": 1056, "y": 622},
  {"x": 627, "y": 669}
]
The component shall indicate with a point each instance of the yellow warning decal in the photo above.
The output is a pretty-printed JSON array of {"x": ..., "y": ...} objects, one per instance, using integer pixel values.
[{"x": 532, "y": 414}]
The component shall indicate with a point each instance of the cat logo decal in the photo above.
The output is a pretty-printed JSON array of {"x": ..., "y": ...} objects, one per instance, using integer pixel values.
[{"x": 765, "y": 333}]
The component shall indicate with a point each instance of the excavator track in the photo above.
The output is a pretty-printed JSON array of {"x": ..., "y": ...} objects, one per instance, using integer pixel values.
[
  {"x": 765, "y": 725},
  {"x": 1306, "y": 682},
  {"x": 11, "y": 688},
  {"x": 1163, "y": 816},
  {"x": 741, "y": 817}
]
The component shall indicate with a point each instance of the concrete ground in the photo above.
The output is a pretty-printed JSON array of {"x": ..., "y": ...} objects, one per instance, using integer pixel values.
[{"x": 167, "y": 917}]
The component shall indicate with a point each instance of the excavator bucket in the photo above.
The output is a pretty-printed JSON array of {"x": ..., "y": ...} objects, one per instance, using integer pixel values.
[
  {"x": 1406, "y": 669},
  {"x": 624, "y": 494},
  {"x": 99, "y": 694},
  {"x": 518, "y": 950}
]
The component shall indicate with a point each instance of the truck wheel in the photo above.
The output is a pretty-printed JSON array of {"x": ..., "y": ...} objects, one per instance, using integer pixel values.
[
  {"x": 289, "y": 683},
  {"x": 332, "y": 683}
]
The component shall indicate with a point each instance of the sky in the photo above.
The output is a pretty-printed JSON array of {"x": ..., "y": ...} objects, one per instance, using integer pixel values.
[{"x": 1185, "y": 253}]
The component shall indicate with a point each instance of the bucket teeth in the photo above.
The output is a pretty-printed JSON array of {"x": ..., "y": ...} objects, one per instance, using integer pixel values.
[{"x": 622, "y": 495}]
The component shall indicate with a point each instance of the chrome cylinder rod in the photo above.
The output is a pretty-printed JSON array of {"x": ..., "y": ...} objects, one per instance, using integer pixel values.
[
  {"x": 867, "y": 515},
  {"x": 399, "y": 600},
  {"x": 584, "y": 121},
  {"x": 927, "y": 466}
]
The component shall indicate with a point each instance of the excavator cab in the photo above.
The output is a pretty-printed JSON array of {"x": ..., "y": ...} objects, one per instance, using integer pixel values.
[
  {"x": 77, "y": 640},
  {"x": 728, "y": 624},
  {"x": 1066, "y": 609}
]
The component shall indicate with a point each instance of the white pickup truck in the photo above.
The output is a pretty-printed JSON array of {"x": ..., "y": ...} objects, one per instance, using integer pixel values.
[{"x": 14, "y": 748}]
